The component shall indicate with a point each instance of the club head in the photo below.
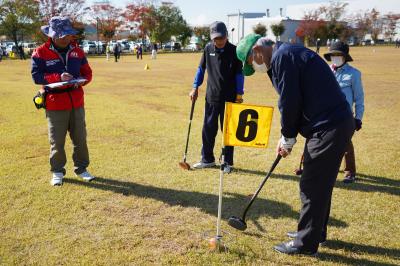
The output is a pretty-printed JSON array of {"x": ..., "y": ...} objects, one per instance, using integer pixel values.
[
  {"x": 237, "y": 223},
  {"x": 184, "y": 165}
]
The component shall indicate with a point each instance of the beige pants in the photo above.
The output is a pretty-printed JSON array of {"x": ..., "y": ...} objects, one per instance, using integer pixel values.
[{"x": 59, "y": 123}]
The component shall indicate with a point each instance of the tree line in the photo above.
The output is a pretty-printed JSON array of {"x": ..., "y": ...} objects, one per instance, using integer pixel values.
[
  {"x": 332, "y": 22},
  {"x": 21, "y": 19}
]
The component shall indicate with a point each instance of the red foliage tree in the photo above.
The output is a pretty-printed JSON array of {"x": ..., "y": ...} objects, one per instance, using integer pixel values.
[
  {"x": 311, "y": 27},
  {"x": 109, "y": 18},
  {"x": 143, "y": 14}
]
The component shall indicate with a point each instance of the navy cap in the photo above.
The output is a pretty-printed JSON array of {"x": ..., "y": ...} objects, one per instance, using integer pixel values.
[{"x": 218, "y": 29}]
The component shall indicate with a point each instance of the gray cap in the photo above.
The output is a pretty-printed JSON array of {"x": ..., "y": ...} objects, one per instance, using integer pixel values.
[{"x": 218, "y": 29}]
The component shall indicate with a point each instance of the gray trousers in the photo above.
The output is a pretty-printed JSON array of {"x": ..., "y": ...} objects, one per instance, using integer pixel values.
[{"x": 59, "y": 123}]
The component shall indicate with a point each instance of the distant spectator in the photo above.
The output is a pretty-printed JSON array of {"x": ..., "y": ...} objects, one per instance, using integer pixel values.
[
  {"x": 117, "y": 51},
  {"x": 139, "y": 52},
  {"x": 328, "y": 43},
  {"x": 154, "y": 49},
  {"x": 21, "y": 52},
  {"x": 397, "y": 43},
  {"x": 318, "y": 45},
  {"x": 108, "y": 52},
  {"x": 1, "y": 53}
]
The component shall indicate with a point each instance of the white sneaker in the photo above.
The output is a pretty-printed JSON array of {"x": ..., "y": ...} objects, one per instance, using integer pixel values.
[
  {"x": 228, "y": 169},
  {"x": 86, "y": 176},
  {"x": 57, "y": 179},
  {"x": 201, "y": 165}
]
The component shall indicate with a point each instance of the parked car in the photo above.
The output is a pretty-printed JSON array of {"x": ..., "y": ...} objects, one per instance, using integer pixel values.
[
  {"x": 89, "y": 47},
  {"x": 193, "y": 47},
  {"x": 172, "y": 46},
  {"x": 367, "y": 42},
  {"x": 100, "y": 47},
  {"x": 132, "y": 46},
  {"x": 125, "y": 46},
  {"x": 29, "y": 47},
  {"x": 3, "y": 47},
  {"x": 11, "y": 48}
]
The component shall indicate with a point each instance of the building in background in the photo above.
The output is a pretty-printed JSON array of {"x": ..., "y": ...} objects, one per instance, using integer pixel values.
[{"x": 241, "y": 24}]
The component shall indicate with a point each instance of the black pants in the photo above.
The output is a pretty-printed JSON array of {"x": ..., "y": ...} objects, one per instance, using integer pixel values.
[
  {"x": 210, "y": 130},
  {"x": 323, "y": 154}
]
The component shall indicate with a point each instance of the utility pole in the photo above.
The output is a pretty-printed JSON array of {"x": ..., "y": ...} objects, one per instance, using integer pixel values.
[{"x": 97, "y": 32}]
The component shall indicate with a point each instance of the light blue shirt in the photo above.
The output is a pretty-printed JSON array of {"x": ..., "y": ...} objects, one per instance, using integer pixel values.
[{"x": 349, "y": 79}]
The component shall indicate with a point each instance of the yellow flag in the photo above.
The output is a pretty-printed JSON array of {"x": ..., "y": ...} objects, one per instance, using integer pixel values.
[{"x": 247, "y": 125}]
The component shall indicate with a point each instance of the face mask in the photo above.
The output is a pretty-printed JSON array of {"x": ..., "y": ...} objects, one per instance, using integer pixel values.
[
  {"x": 259, "y": 68},
  {"x": 338, "y": 61}
]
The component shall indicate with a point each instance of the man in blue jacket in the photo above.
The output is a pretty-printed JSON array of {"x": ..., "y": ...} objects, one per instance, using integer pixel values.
[
  {"x": 311, "y": 104},
  {"x": 224, "y": 84}
]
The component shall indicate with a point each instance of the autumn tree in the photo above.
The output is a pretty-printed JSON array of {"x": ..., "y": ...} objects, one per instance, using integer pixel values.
[
  {"x": 334, "y": 15},
  {"x": 311, "y": 27},
  {"x": 143, "y": 13},
  {"x": 108, "y": 18},
  {"x": 168, "y": 22},
  {"x": 390, "y": 21},
  {"x": 185, "y": 32},
  {"x": 203, "y": 33},
  {"x": 367, "y": 22},
  {"x": 18, "y": 19},
  {"x": 376, "y": 24},
  {"x": 73, "y": 9}
]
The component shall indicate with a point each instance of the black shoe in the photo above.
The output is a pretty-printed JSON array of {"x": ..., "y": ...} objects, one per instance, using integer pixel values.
[
  {"x": 293, "y": 234},
  {"x": 349, "y": 179},
  {"x": 290, "y": 249}
]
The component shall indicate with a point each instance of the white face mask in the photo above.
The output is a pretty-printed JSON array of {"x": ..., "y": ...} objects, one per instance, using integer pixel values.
[
  {"x": 337, "y": 60},
  {"x": 259, "y": 68}
]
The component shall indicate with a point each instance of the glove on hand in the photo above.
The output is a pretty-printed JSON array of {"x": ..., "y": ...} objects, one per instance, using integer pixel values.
[{"x": 287, "y": 143}]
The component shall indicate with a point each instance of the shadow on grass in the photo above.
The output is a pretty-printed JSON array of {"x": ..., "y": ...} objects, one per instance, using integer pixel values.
[
  {"x": 364, "y": 183},
  {"x": 357, "y": 249},
  {"x": 233, "y": 203},
  {"x": 360, "y": 248}
]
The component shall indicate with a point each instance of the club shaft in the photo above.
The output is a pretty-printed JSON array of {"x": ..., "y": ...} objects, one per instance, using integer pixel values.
[
  {"x": 278, "y": 158},
  {"x": 188, "y": 133},
  {"x": 221, "y": 180}
]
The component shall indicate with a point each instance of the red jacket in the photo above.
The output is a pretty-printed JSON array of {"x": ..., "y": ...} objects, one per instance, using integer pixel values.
[{"x": 47, "y": 67}]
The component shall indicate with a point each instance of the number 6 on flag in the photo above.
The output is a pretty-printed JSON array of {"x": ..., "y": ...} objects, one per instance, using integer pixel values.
[{"x": 247, "y": 125}]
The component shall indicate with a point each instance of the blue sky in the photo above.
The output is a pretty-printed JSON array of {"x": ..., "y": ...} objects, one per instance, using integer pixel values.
[{"x": 206, "y": 11}]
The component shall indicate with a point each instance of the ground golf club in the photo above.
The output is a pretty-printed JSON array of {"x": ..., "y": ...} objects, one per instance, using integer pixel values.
[
  {"x": 240, "y": 223},
  {"x": 184, "y": 164}
]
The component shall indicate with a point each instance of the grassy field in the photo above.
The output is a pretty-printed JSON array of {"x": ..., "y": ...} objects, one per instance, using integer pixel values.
[{"x": 143, "y": 209}]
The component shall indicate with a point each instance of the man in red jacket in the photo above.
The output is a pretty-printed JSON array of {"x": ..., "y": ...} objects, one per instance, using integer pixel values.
[{"x": 60, "y": 59}]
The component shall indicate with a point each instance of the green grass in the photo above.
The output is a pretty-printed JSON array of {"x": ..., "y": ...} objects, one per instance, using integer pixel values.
[{"x": 143, "y": 209}]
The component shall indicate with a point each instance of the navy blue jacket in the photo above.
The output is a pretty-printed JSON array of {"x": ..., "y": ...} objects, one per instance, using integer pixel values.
[
  {"x": 310, "y": 97},
  {"x": 224, "y": 69}
]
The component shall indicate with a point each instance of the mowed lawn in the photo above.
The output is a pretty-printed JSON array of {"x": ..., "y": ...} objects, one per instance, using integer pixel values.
[{"x": 143, "y": 209}]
